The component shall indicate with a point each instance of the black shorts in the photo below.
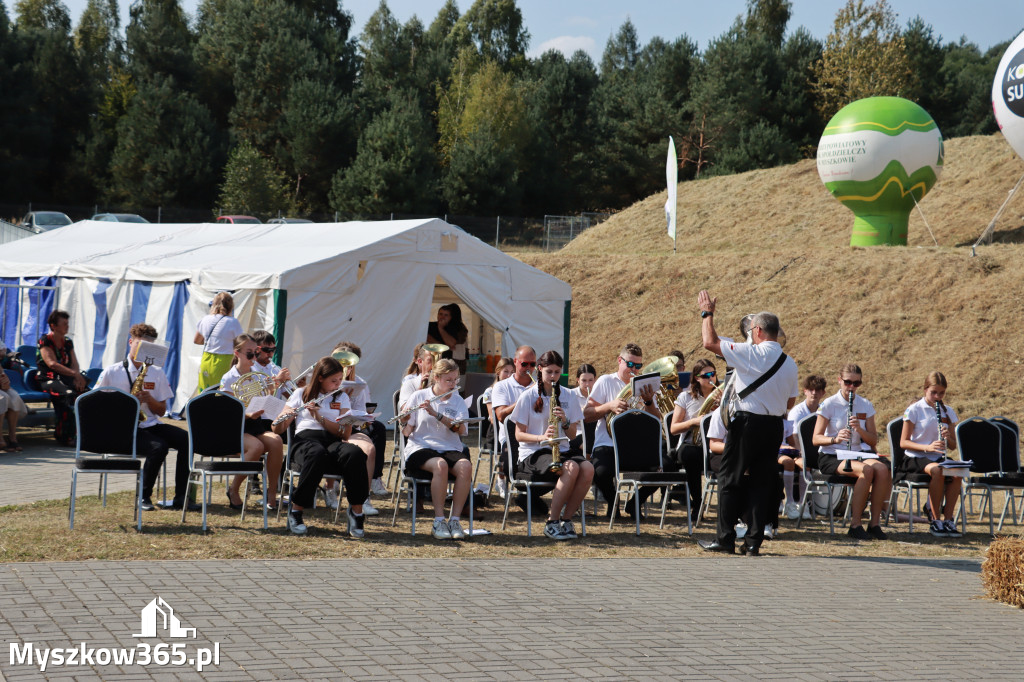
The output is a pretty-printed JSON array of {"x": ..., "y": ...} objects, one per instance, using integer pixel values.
[
  {"x": 916, "y": 465},
  {"x": 830, "y": 464},
  {"x": 257, "y": 427},
  {"x": 414, "y": 462},
  {"x": 536, "y": 465}
]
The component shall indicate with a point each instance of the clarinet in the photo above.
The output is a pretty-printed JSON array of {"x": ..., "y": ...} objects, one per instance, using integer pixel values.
[
  {"x": 849, "y": 418},
  {"x": 938, "y": 422}
]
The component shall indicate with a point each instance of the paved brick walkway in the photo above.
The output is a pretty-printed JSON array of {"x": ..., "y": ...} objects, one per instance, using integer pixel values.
[{"x": 705, "y": 618}]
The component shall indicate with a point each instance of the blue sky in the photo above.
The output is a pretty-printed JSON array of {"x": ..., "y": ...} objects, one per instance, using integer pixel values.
[{"x": 587, "y": 24}]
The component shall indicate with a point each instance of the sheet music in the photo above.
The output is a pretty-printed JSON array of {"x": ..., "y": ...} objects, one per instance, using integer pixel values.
[
  {"x": 150, "y": 353},
  {"x": 855, "y": 454},
  {"x": 956, "y": 463},
  {"x": 356, "y": 417},
  {"x": 469, "y": 401},
  {"x": 271, "y": 405},
  {"x": 637, "y": 383}
]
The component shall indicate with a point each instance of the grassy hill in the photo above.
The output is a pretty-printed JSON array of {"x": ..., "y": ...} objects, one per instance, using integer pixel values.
[{"x": 777, "y": 240}]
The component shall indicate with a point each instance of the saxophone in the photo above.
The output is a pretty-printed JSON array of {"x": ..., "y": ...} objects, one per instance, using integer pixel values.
[
  {"x": 558, "y": 438},
  {"x": 137, "y": 385}
]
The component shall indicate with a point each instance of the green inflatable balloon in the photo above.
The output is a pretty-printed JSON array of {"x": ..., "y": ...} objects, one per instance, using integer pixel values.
[{"x": 876, "y": 156}]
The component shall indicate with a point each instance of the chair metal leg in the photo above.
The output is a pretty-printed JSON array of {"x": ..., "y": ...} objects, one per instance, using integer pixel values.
[
  {"x": 508, "y": 502},
  {"x": 414, "y": 487},
  {"x": 138, "y": 500},
  {"x": 71, "y": 509},
  {"x": 206, "y": 487},
  {"x": 529, "y": 512},
  {"x": 265, "y": 488}
]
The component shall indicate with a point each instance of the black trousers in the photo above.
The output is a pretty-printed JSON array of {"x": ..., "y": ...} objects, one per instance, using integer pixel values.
[
  {"x": 752, "y": 445},
  {"x": 319, "y": 453},
  {"x": 153, "y": 443},
  {"x": 378, "y": 434},
  {"x": 691, "y": 458}
]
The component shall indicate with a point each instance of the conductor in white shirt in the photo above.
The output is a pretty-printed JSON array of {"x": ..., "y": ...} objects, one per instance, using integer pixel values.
[{"x": 755, "y": 430}]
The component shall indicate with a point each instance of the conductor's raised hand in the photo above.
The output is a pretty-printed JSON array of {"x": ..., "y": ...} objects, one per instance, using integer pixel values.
[{"x": 705, "y": 302}]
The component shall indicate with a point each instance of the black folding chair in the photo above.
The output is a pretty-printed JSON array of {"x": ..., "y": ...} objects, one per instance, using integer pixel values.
[
  {"x": 813, "y": 478},
  {"x": 216, "y": 423},
  {"x": 107, "y": 420},
  {"x": 710, "y": 477},
  {"x": 912, "y": 483},
  {"x": 982, "y": 441},
  {"x": 639, "y": 444}
]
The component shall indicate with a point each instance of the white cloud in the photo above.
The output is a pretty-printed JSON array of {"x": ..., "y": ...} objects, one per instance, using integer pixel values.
[{"x": 567, "y": 45}]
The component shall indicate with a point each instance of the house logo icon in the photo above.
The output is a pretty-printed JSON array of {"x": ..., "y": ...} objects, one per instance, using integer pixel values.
[{"x": 159, "y": 613}]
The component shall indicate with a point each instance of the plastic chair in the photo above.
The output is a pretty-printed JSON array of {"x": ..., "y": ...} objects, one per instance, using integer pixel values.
[
  {"x": 215, "y": 438},
  {"x": 27, "y": 394},
  {"x": 28, "y": 355},
  {"x": 92, "y": 374},
  {"x": 107, "y": 420}
]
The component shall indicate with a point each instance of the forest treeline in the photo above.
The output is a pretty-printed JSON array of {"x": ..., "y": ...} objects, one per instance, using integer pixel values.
[{"x": 255, "y": 105}]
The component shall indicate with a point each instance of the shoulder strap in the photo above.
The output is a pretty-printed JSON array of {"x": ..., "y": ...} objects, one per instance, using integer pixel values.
[
  {"x": 215, "y": 325},
  {"x": 763, "y": 378}
]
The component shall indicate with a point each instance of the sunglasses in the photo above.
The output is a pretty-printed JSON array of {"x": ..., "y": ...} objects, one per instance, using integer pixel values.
[
  {"x": 268, "y": 349},
  {"x": 632, "y": 365},
  {"x": 250, "y": 354},
  {"x": 527, "y": 364},
  {"x": 855, "y": 383},
  {"x": 708, "y": 375}
]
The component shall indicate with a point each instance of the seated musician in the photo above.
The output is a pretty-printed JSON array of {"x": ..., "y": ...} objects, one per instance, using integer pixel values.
[
  {"x": 320, "y": 446},
  {"x": 586, "y": 375},
  {"x": 686, "y": 422},
  {"x": 503, "y": 400},
  {"x": 532, "y": 415},
  {"x": 503, "y": 370},
  {"x": 154, "y": 439},
  {"x": 603, "y": 402},
  {"x": 259, "y": 437},
  {"x": 924, "y": 443},
  {"x": 266, "y": 346},
  {"x": 434, "y": 445},
  {"x": 60, "y": 375},
  {"x": 838, "y": 428},
  {"x": 417, "y": 375},
  {"x": 370, "y": 437},
  {"x": 789, "y": 453}
]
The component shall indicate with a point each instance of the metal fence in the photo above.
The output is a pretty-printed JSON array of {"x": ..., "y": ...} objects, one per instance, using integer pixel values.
[{"x": 549, "y": 233}]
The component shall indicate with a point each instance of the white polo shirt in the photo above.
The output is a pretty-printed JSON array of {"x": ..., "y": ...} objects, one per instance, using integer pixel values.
[
  {"x": 749, "y": 361},
  {"x": 329, "y": 409},
  {"x": 155, "y": 382},
  {"x": 505, "y": 393},
  {"x": 836, "y": 410},
  {"x": 537, "y": 422},
  {"x": 429, "y": 433},
  {"x": 605, "y": 389},
  {"x": 926, "y": 427}
]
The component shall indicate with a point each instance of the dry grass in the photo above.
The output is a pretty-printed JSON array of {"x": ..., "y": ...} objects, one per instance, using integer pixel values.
[
  {"x": 776, "y": 240},
  {"x": 39, "y": 532},
  {"x": 1003, "y": 570}
]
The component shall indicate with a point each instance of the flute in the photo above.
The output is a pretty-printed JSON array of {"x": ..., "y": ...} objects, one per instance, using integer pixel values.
[
  {"x": 304, "y": 406},
  {"x": 406, "y": 413}
]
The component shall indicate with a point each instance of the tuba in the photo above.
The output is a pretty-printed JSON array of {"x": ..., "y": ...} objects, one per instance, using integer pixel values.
[{"x": 666, "y": 367}]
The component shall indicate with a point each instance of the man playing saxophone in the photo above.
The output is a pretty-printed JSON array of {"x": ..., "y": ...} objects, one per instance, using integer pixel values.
[
  {"x": 605, "y": 402},
  {"x": 154, "y": 438}
]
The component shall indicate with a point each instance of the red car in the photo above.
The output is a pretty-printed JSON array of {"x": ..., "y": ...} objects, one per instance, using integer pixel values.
[{"x": 238, "y": 219}]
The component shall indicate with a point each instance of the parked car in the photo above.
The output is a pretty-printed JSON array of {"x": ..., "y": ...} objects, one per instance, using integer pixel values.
[
  {"x": 120, "y": 218},
  {"x": 239, "y": 219},
  {"x": 44, "y": 221},
  {"x": 280, "y": 221}
]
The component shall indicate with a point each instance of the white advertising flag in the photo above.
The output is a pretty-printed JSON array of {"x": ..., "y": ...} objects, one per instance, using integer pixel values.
[{"x": 672, "y": 180}]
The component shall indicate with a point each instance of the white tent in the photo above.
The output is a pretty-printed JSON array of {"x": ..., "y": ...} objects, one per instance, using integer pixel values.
[{"x": 311, "y": 284}]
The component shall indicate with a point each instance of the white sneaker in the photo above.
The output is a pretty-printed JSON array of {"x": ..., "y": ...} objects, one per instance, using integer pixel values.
[
  {"x": 441, "y": 530},
  {"x": 770, "y": 532},
  {"x": 331, "y": 498},
  {"x": 377, "y": 487},
  {"x": 355, "y": 524},
  {"x": 369, "y": 509},
  {"x": 792, "y": 511},
  {"x": 553, "y": 529},
  {"x": 502, "y": 488},
  {"x": 741, "y": 530},
  {"x": 455, "y": 528},
  {"x": 295, "y": 523},
  {"x": 807, "y": 515}
]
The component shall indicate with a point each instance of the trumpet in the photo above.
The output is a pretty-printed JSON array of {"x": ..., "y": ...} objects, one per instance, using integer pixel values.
[
  {"x": 344, "y": 357},
  {"x": 406, "y": 413}
]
